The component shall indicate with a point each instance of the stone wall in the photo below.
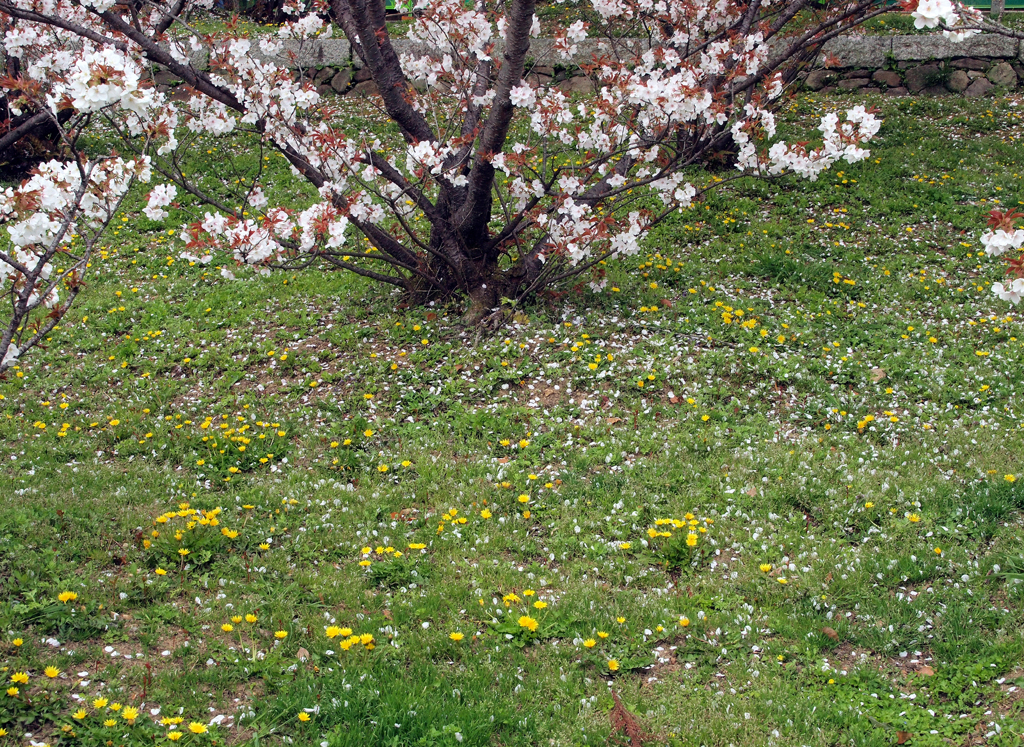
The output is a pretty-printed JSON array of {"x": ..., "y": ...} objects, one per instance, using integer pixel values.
[
  {"x": 895, "y": 65},
  {"x": 926, "y": 64}
]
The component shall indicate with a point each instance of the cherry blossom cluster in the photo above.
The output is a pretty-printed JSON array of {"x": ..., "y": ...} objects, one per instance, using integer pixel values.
[
  {"x": 1002, "y": 237},
  {"x": 54, "y": 216},
  {"x": 957, "y": 20}
]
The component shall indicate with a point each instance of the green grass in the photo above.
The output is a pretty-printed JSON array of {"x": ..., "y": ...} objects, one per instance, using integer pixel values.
[{"x": 868, "y": 413}]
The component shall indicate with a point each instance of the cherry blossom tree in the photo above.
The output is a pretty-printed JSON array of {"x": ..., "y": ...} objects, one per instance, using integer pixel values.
[{"x": 495, "y": 185}]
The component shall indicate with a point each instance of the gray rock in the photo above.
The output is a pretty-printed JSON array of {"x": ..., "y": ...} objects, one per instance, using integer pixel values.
[
  {"x": 1003, "y": 75},
  {"x": 934, "y": 46},
  {"x": 888, "y": 78},
  {"x": 970, "y": 63},
  {"x": 937, "y": 90},
  {"x": 869, "y": 91},
  {"x": 958, "y": 81},
  {"x": 922, "y": 76},
  {"x": 365, "y": 88},
  {"x": 859, "y": 51},
  {"x": 978, "y": 88},
  {"x": 857, "y": 74},
  {"x": 817, "y": 79},
  {"x": 850, "y": 85},
  {"x": 318, "y": 53},
  {"x": 341, "y": 80},
  {"x": 581, "y": 84},
  {"x": 362, "y": 74},
  {"x": 1018, "y": 68},
  {"x": 989, "y": 45},
  {"x": 324, "y": 89},
  {"x": 829, "y": 89},
  {"x": 323, "y": 76},
  {"x": 165, "y": 78},
  {"x": 898, "y": 91},
  {"x": 975, "y": 74}
]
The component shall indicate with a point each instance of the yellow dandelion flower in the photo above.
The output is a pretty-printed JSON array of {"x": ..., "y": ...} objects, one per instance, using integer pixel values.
[{"x": 528, "y": 622}]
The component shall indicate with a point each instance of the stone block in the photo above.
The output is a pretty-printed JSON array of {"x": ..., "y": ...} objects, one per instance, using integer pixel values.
[
  {"x": 888, "y": 78},
  {"x": 362, "y": 74},
  {"x": 341, "y": 80},
  {"x": 365, "y": 88},
  {"x": 165, "y": 78},
  {"x": 978, "y": 88},
  {"x": 958, "y": 81},
  {"x": 921, "y": 77},
  {"x": 858, "y": 51},
  {"x": 857, "y": 74},
  {"x": 817, "y": 79},
  {"x": 851, "y": 85},
  {"x": 898, "y": 91},
  {"x": 869, "y": 91},
  {"x": 971, "y": 63},
  {"x": 1003, "y": 74},
  {"x": 578, "y": 84},
  {"x": 317, "y": 53},
  {"x": 936, "y": 46},
  {"x": 937, "y": 90}
]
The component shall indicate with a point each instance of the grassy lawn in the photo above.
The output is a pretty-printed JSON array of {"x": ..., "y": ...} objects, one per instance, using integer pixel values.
[{"x": 766, "y": 489}]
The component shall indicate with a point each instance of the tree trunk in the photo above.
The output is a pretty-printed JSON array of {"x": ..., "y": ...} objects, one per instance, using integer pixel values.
[{"x": 482, "y": 301}]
